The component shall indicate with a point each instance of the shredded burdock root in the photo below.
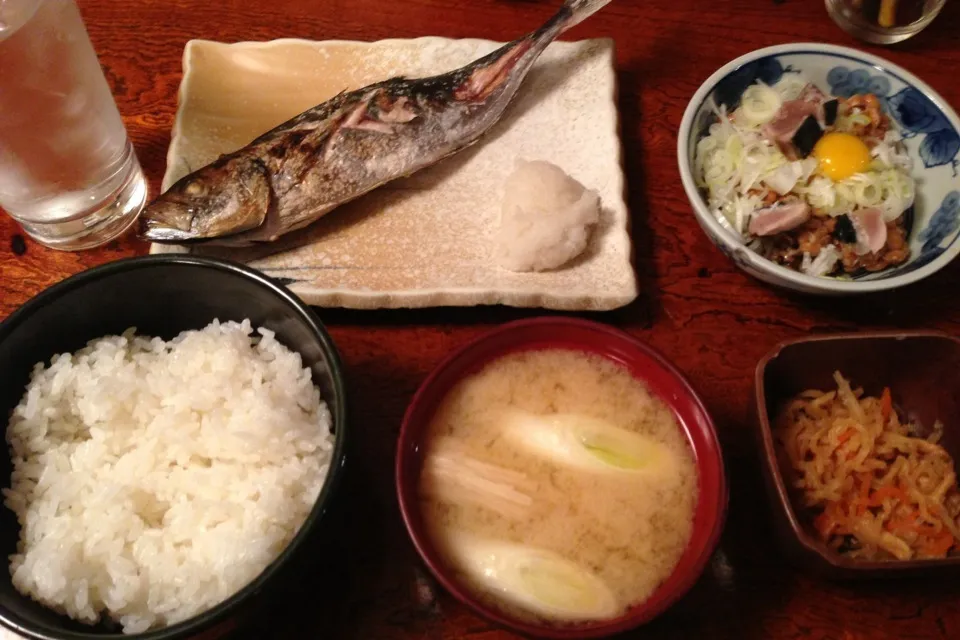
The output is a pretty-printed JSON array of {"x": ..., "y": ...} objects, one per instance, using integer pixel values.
[{"x": 880, "y": 491}]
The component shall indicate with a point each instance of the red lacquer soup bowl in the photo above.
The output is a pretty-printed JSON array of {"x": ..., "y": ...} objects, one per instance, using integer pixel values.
[{"x": 660, "y": 377}]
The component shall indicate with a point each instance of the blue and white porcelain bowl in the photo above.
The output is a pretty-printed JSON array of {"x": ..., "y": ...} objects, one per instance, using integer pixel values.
[{"x": 931, "y": 131}]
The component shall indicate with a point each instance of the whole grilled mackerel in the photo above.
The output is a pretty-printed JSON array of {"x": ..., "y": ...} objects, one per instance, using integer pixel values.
[{"x": 347, "y": 146}]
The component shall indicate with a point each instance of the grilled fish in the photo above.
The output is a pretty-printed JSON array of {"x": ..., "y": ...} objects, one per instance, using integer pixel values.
[{"x": 355, "y": 142}]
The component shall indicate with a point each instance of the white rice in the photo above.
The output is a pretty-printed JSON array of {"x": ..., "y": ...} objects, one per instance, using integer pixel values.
[{"x": 152, "y": 480}]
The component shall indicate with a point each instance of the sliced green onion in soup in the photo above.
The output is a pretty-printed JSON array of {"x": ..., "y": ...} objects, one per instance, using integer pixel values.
[
  {"x": 534, "y": 579},
  {"x": 586, "y": 442}
]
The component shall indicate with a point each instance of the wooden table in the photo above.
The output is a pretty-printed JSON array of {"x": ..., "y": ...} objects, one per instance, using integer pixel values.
[{"x": 713, "y": 321}]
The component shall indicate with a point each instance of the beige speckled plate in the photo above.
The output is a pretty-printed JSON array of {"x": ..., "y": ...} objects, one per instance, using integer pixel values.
[{"x": 426, "y": 240}]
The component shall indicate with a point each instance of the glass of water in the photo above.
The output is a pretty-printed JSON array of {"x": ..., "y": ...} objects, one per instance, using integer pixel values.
[
  {"x": 68, "y": 172},
  {"x": 883, "y": 21}
]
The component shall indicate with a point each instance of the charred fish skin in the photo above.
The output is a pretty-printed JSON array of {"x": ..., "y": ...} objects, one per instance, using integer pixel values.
[{"x": 353, "y": 143}]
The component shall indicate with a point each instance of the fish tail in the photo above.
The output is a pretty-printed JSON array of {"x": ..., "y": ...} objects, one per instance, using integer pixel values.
[
  {"x": 508, "y": 65},
  {"x": 572, "y": 13}
]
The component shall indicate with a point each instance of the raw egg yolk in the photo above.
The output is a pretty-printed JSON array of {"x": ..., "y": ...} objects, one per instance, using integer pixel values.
[{"x": 841, "y": 155}]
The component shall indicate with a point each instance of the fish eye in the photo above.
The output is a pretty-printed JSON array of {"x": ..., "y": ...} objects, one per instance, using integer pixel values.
[{"x": 194, "y": 189}]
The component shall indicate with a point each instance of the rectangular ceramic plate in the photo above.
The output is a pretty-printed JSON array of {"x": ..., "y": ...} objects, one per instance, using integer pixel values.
[{"x": 426, "y": 240}]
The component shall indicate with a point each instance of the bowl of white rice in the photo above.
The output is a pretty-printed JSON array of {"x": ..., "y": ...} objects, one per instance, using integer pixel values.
[{"x": 175, "y": 433}]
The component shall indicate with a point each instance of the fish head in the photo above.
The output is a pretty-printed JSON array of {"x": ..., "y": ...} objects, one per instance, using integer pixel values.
[{"x": 224, "y": 198}]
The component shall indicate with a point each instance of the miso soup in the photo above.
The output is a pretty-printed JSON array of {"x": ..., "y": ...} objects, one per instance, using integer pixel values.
[{"x": 557, "y": 486}]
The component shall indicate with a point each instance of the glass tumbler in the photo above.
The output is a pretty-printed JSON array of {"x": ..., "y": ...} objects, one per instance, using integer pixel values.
[
  {"x": 68, "y": 172},
  {"x": 883, "y": 21}
]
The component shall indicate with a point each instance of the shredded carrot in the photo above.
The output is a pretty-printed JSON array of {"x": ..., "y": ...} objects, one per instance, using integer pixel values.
[
  {"x": 863, "y": 502},
  {"x": 831, "y": 521},
  {"x": 925, "y": 529},
  {"x": 939, "y": 545},
  {"x": 824, "y": 524},
  {"x": 902, "y": 523},
  {"x": 846, "y": 435},
  {"x": 886, "y": 405},
  {"x": 878, "y": 496}
]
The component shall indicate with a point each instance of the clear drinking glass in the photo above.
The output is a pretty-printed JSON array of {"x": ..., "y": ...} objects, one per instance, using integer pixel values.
[
  {"x": 68, "y": 172},
  {"x": 883, "y": 21}
]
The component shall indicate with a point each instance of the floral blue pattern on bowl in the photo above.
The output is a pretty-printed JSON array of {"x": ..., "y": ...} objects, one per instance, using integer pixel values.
[
  {"x": 915, "y": 114},
  {"x": 931, "y": 132},
  {"x": 845, "y": 83},
  {"x": 944, "y": 223}
]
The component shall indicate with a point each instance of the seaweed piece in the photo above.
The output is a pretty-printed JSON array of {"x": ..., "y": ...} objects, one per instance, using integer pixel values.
[
  {"x": 830, "y": 109},
  {"x": 730, "y": 89},
  {"x": 849, "y": 543},
  {"x": 843, "y": 231},
  {"x": 807, "y": 136},
  {"x": 906, "y": 222}
]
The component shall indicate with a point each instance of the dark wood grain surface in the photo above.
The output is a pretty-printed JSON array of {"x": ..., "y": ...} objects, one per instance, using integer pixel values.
[{"x": 710, "y": 319}]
